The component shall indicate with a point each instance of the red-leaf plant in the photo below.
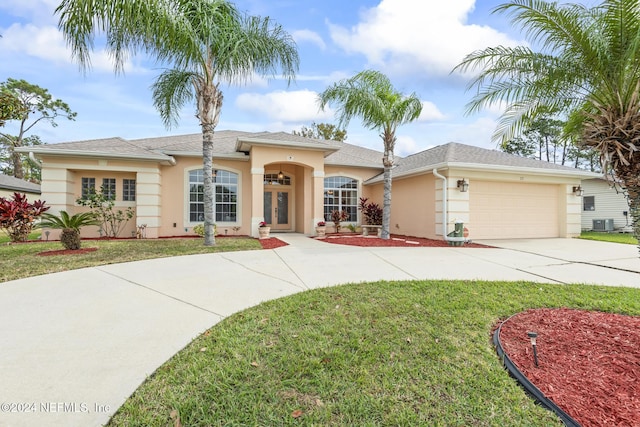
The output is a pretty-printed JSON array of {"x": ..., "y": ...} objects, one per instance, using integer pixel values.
[
  {"x": 372, "y": 212},
  {"x": 18, "y": 216}
]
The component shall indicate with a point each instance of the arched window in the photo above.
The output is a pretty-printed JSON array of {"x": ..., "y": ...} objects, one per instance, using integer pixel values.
[
  {"x": 341, "y": 193},
  {"x": 225, "y": 196}
]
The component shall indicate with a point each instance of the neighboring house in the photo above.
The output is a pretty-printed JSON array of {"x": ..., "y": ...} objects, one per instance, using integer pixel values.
[
  {"x": 604, "y": 205},
  {"x": 10, "y": 185},
  {"x": 292, "y": 182}
]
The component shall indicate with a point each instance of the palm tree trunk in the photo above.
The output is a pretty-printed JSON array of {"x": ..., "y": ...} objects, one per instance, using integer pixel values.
[
  {"x": 386, "y": 204},
  {"x": 633, "y": 194},
  {"x": 387, "y": 161},
  {"x": 209, "y": 103},
  {"x": 207, "y": 163}
]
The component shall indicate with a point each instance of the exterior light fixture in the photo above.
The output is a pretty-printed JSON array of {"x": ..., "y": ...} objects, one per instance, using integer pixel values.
[
  {"x": 578, "y": 191},
  {"x": 463, "y": 185},
  {"x": 215, "y": 174},
  {"x": 532, "y": 337},
  {"x": 46, "y": 233},
  {"x": 280, "y": 174}
]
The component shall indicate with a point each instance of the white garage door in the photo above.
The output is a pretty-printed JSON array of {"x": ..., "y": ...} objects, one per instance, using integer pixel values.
[{"x": 500, "y": 210}]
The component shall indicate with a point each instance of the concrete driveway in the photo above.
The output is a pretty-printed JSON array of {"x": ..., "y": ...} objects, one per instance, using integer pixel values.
[{"x": 76, "y": 344}]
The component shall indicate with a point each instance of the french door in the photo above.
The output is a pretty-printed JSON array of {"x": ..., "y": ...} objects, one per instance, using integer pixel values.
[{"x": 277, "y": 209}]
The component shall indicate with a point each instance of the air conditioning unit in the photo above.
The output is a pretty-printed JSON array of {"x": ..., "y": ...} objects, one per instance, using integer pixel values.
[{"x": 603, "y": 224}]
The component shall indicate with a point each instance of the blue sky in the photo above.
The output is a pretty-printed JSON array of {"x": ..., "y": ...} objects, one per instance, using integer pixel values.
[{"x": 415, "y": 42}]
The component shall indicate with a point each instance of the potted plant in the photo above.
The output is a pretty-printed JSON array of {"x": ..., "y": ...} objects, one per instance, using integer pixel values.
[
  {"x": 337, "y": 217},
  {"x": 321, "y": 229},
  {"x": 264, "y": 230}
]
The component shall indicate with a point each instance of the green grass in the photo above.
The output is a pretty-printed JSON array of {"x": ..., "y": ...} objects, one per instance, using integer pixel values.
[
  {"x": 22, "y": 260},
  {"x": 609, "y": 237},
  {"x": 378, "y": 354}
]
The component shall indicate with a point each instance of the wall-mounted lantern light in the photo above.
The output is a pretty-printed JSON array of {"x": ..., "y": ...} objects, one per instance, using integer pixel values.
[
  {"x": 280, "y": 174},
  {"x": 463, "y": 185},
  {"x": 578, "y": 191}
]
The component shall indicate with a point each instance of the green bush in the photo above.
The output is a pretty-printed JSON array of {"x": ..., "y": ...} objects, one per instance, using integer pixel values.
[{"x": 199, "y": 230}]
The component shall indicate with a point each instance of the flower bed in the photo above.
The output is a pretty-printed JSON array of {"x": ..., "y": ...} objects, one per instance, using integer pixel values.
[
  {"x": 589, "y": 362},
  {"x": 396, "y": 240}
]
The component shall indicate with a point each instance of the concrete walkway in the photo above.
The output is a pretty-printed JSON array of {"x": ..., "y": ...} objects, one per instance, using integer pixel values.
[{"x": 76, "y": 344}]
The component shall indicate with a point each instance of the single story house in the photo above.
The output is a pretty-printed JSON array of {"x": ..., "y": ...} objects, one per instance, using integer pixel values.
[
  {"x": 10, "y": 185},
  {"x": 292, "y": 183},
  {"x": 603, "y": 207}
]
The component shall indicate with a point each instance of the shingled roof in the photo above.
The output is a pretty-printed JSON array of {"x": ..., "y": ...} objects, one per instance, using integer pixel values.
[
  {"x": 11, "y": 183},
  {"x": 455, "y": 154},
  {"x": 229, "y": 143}
]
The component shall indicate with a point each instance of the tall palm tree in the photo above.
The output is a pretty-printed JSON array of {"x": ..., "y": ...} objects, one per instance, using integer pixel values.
[
  {"x": 205, "y": 43},
  {"x": 587, "y": 66},
  {"x": 370, "y": 96}
]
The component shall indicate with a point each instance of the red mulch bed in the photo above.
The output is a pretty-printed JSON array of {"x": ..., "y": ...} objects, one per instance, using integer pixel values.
[
  {"x": 67, "y": 252},
  {"x": 396, "y": 240},
  {"x": 272, "y": 243},
  {"x": 589, "y": 362}
]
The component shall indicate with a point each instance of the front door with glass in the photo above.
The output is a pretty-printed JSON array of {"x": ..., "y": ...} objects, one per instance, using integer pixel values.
[{"x": 277, "y": 209}]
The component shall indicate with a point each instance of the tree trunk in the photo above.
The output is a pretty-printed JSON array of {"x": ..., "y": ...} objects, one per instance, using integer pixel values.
[
  {"x": 18, "y": 171},
  {"x": 209, "y": 103},
  {"x": 633, "y": 195},
  {"x": 387, "y": 161},
  {"x": 207, "y": 168}
]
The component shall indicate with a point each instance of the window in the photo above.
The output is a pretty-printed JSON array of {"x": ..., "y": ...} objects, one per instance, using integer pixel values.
[
  {"x": 129, "y": 190},
  {"x": 341, "y": 193},
  {"x": 88, "y": 187},
  {"x": 589, "y": 203},
  {"x": 272, "y": 179},
  {"x": 109, "y": 188},
  {"x": 225, "y": 193}
]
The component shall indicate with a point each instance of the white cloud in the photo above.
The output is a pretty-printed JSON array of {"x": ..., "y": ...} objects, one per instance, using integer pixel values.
[
  {"x": 406, "y": 145},
  {"x": 477, "y": 133},
  {"x": 285, "y": 106},
  {"x": 35, "y": 10},
  {"x": 417, "y": 36},
  {"x": 430, "y": 112},
  {"x": 301, "y": 36},
  {"x": 47, "y": 43}
]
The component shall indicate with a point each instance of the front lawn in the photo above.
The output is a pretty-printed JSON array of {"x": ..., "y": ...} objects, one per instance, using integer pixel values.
[
  {"x": 378, "y": 354},
  {"x": 609, "y": 237},
  {"x": 22, "y": 260}
]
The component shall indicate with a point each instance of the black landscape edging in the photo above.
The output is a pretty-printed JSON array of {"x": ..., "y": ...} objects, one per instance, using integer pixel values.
[{"x": 528, "y": 385}]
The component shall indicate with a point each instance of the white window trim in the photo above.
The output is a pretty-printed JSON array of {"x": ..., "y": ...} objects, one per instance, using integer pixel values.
[
  {"x": 185, "y": 217},
  {"x": 359, "y": 189}
]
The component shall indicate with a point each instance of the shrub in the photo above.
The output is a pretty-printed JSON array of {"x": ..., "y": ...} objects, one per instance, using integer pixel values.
[
  {"x": 199, "y": 229},
  {"x": 111, "y": 221},
  {"x": 337, "y": 217},
  {"x": 18, "y": 216},
  {"x": 70, "y": 225},
  {"x": 372, "y": 212}
]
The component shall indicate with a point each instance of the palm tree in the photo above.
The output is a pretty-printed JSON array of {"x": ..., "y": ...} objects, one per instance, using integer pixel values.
[
  {"x": 371, "y": 96},
  {"x": 206, "y": 43},
  {"x": 587, "y": 67},
  {"x": 70, "y": 226}
]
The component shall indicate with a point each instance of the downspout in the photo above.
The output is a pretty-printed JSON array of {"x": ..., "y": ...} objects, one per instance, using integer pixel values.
[
  {"x": 32, "y": 157},
  {"x": 445, "y": 214}
]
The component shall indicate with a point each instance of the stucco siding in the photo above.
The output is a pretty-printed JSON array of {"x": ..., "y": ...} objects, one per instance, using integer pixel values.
[{"x": 413, "y": 206}]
